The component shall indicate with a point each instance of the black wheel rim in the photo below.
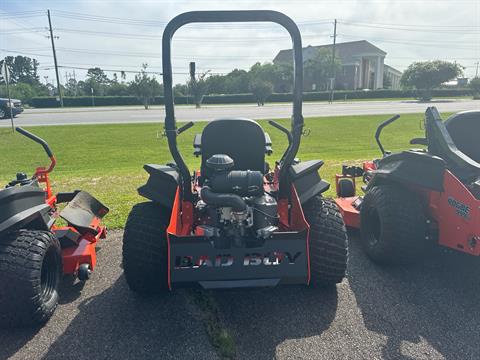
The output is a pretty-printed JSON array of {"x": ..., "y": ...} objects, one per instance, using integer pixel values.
[
  {"x": 374, "y": 227},
  {"x": 50, "y": 275}
]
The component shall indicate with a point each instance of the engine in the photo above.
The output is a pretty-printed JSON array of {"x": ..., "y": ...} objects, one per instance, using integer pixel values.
[{"x": 235, "y": 209}]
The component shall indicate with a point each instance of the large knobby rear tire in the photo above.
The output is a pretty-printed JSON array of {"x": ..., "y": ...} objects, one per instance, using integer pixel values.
[
  {"x": 145, "y": 251},
  {"x": 30, "y": 273},
  {"x": 328, "y": 242},
  {"x": 393, "y": 225}
]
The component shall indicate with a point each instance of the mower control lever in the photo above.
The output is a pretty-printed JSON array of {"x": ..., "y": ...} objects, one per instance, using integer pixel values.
[
  {"x": 185, "y": 127},
  {"x": 379, "y": 131},
  {"x": 36, "y": 139},
  {"x": 286, "y": 132},
  {"x": 282, "y": 129}
]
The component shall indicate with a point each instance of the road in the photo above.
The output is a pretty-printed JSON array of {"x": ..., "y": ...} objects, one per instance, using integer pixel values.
[
  {"x": 429, "y": 311},
  {"x": 124, "y": 115}
]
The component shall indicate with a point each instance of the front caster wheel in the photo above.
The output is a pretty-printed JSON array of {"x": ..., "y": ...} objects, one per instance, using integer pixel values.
[{"x": 84, "y": 272}]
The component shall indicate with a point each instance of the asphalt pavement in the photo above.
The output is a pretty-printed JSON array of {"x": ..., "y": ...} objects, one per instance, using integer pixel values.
[
  {"x": 428, "y": 311},
  {"x": 132, "y": 114}
]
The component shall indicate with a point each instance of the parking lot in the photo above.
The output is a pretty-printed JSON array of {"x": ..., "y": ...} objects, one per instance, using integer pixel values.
[{"x": 429, "y": 311}]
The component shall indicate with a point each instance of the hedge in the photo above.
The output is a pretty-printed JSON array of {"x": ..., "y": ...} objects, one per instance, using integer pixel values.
[{"x": 46, "y": 102}]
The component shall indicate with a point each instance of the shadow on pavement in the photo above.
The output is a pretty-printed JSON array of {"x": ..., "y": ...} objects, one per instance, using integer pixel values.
[
  {"x": 116, "y": 324},
  {"x": 261, "y": 319},
  {"x": 432, "y": 306}
]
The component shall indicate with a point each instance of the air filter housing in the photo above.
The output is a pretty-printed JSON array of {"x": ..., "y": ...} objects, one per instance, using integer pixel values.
[{"x": 220, "y": 162}]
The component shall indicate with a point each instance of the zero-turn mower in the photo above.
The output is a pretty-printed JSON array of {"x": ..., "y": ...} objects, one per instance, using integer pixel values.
[
  {"x": 233, "y": 222},
  {"x": 421, "y": 196},
  {"x": 34, "y": 251}
]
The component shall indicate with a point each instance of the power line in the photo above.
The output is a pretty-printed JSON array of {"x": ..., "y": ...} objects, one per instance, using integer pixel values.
[
  {"x": 401, "y": 28},
  {"x": 138, "y": 55},
  {"x": 409, "y": 25},
  {"x": 406, "y": 42},
  {"x": 155, "y": 55},
  {"x": 244, "y": 39},
  {"x": 143, "y": 22}
]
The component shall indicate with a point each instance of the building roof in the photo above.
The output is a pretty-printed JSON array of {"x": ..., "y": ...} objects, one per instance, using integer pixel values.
[
  {"x": 391, "y": 69},
  {"x": 348, "y": 52}
]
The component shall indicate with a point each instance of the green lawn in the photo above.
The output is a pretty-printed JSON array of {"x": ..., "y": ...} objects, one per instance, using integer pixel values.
[{"x": 107, "y": 160}]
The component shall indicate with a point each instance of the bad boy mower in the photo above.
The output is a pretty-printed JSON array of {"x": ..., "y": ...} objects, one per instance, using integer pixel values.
[
  {"x": 420, "y": 196},
  {"x": 34, "y": 251},
  {"x": 233, "y": 223}
]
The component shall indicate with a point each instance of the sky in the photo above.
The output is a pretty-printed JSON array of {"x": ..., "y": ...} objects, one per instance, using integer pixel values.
[{"x": 122, "y": 35}]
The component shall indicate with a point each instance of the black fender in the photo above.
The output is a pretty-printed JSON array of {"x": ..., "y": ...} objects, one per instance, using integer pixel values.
[
  {"x": 162, "y": 184},
  {"x": 307, "y": 180},
  {"x": 412, "y": 168},
  {"x": 21, "y": 205}
]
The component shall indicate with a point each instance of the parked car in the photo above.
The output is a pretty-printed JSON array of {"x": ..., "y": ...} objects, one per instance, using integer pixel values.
[{"x": 6, "y": 106}]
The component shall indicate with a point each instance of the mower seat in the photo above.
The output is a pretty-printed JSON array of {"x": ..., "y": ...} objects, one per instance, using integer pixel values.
[
  {"x": 441, "y": 144},
  {"x": 242, "y": 139},
  {"x": 82, "y": 211},
  {"x": 464, "y": 128}
]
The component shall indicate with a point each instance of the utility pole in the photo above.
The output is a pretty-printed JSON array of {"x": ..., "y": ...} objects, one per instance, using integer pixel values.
[
  {"x": 476, "y": 71},
  {"x": 6, "y": 76},
  {"x": 55, "y": 59},
  {"x": 75, "y": 81},
  {"x": 332, "y": 80}
]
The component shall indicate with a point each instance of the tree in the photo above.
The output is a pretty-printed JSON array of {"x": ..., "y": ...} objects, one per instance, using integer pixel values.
[
  {"x": 145, "y": 87},
  {"x": 198, "y": 87},
  {"x": 318, "y": 69},
  {"x": 475, "y": 86},
  {"x": 71, "y": 87},
  {"x": 97, "y": 80},
  {"x": 424, "y": 76},
  {"x": 22, "y": 69},
  {"x": 261, "y": 90},
  {"x": 280, "y": 76}
]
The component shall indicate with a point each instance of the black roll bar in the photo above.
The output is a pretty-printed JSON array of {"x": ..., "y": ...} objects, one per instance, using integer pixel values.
[{"x": 231, "y": 16}]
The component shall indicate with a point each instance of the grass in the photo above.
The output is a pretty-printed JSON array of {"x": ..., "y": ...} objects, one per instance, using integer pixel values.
[
  {"x": 217, "y": 332},
  {"x": 107, "y": 160}
]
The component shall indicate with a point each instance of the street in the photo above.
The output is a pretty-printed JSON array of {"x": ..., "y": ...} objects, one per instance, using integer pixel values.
[
  {"x": 428, "y": 311},
  {"x": 128, "y": 114}
]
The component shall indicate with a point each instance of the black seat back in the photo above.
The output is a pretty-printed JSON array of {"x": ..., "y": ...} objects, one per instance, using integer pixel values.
[
  {"x": 241, "y": 139},
  {"x": 441, "y": 144},
  {"x": 464, "y": 129}
]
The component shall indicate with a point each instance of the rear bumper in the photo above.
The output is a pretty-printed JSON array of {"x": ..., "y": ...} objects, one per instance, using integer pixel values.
[{"x": 283, "y": 259}]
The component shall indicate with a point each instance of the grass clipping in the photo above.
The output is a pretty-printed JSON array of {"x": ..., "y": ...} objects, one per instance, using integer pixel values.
[{"x": 218, "y": 334}]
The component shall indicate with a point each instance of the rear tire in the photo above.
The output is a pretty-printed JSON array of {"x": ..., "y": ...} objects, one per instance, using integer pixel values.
[
  {"x": 393, "y": 225},
  {"x": 328, "y": 242},
  {"x": 145, "y": 252},
  {"x": 30, "y": 273}
]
